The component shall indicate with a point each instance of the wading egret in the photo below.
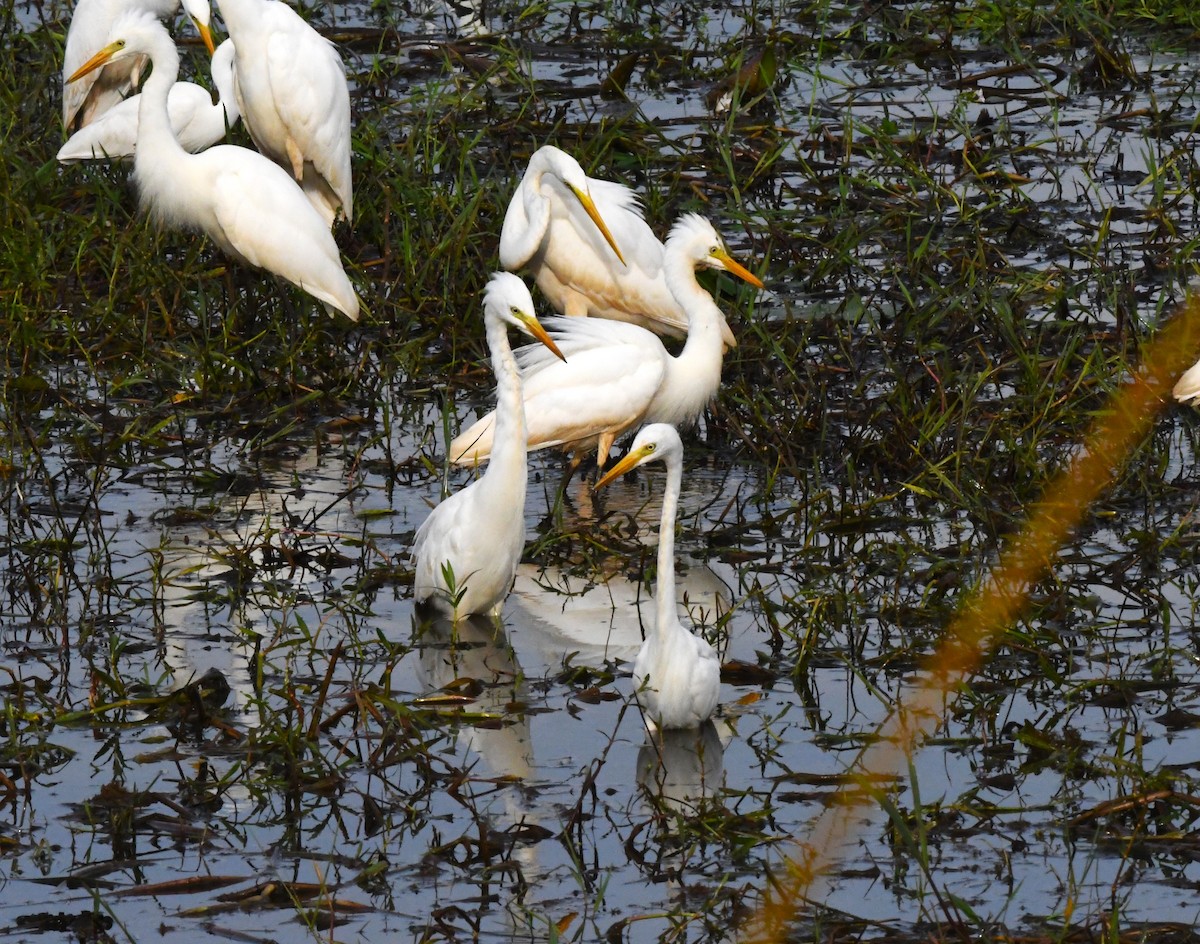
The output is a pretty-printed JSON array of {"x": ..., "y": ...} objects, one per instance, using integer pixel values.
[
  {"x": 555, "y": 227},
  {"x": 291, "y": 88},
  {"x": 92, "y": 21},
  {"x": 476, "y": 535},
  {"x": 676, "y": 676},
  {"x": 249, "y": 206},
  {"x": 617, "y": 376},
  {"x": 196, "y": 121},
  {"x": 1187, "y": 388}
]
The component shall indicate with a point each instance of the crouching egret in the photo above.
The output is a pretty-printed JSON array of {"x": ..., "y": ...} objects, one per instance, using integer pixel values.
[
  {"x": 617, "y": 376},
  {"x": 579, "y": 272},
  {"x": 85, "y": 101},
  {"x": 676, "y": 676},
  {"x": 468, "y": 548},
  {"x": 291, "y": 87},
  {"x": 195, "y": 120},
  {"x": 249, "y": 206}
]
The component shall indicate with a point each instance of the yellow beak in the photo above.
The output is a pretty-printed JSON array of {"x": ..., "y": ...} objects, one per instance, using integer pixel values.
[
  {"x": 539, "y": 333},
  {"x": 736, "y": 268},
  {"x": 630, "y": 460},
  {"x": 586, "y": 199},
  {"x": 206, "y": 35},
  {"x": 101, "y": 58}
]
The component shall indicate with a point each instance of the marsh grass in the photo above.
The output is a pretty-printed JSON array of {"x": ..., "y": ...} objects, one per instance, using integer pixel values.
[{"x": 953, "y": 294}]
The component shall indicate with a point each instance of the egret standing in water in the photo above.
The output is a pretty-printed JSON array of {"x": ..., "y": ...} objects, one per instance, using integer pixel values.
[
  {"x": 617, "y": 376},
  {"x": 468, "y": 548},
  {"x": 249, "y": 206},
  {"x": 555, "y": 227},
  {"x": 196, "y": 121},
  {"x": 676, "y": 676},
  {"x": 291, "y": 88},
  {"x": 85, "y": 101}
]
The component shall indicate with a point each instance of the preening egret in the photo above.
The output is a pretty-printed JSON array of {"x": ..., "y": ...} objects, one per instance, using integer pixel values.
[
  {"x": 291, "y": 88},
  {"x": 1187, "y": 388},
  {"x": 249, "y": 206},
  {"x": 477, "y": 534},
  {"x": 196, "y": 121},
  {"x": 574, "y": 257},
  {"x": 92, "y": 21},
  {"x": 617, "y": 376},
  {"x": 676, "y": 676}
]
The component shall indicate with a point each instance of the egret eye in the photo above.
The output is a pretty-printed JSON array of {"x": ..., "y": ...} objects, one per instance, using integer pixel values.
[
  {"x": 514, "y": 311},
  {"x": 650, "y": 447},
  {"x": 714, "y": 250}
]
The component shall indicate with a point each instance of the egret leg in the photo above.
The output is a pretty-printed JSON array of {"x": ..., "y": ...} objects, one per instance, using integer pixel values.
[
  {"x": 576, "y": 306},
  {"x": 296, "y": 157}
]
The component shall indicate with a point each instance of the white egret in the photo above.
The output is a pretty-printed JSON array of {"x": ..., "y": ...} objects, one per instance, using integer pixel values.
[
  {"x": 196, "y": 121},
  {"x": 574, "y": 258},
  {"x": 1187, "y": 388},
  {"x": 291, "y": 88},
  {"x": 92, "y": 21},
  {"x": 468, "y": 548},
  {"x": 676, "y": 676},
  {"x": 617, "y": 376},
  {"x": 249, "y": 206}
]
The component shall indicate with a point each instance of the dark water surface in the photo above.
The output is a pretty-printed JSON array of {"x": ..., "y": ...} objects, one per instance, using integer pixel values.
[{"x": 504, "y": 788}]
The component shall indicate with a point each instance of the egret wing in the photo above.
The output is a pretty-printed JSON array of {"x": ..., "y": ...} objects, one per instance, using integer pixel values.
[{"x": 308, "y": 84}]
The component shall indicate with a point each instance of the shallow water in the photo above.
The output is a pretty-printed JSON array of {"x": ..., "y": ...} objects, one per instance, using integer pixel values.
[{"x": 525, "y": 802}]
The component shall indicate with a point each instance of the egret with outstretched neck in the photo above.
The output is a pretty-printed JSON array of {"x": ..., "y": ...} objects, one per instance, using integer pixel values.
[
  {"x": 245, "y": 203},
  {"x": 565, "y": 228},
  {"x": 677, "y": 675},
  {"x": 618, "y": 376},
  {"x": 467, "y": 550}
]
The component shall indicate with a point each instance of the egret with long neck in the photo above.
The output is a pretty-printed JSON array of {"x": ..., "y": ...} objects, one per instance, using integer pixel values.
[
  {"x": 617, "y": 376},
  {"x": 245, "y": 203},
  {"x": 468, "y": 548},
  {"x": 565, "y": 228},
  {"x": 195, "y": 120},
  {"x": 677, "y": 675}
]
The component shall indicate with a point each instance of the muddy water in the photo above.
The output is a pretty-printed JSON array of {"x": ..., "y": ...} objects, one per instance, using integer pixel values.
[{"x": 525, "y": 801}]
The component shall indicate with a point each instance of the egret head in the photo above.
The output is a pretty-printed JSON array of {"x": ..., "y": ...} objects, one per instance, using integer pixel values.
[
  {"x": 704, "y": 246},
  {"x": 127, "y": 38},
  {"x": 507, "y": 298},
  {"x": 560, "y": 164},
  {"x": 200, "y": 14},
  {"x": 657, "y": 441}
]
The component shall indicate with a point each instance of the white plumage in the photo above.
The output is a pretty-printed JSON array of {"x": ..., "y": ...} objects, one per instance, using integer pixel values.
[
  {"x": 677, "y": 675},
  {"x": 86, "y": 100},
  {"x": 249, "y": 206},
  {"x": 478, "y": 533},
  {"x": 550, "y": 230},
  {"x": 617, "y": 376},
  {"x": 292, "y": 92},
  {"x": 1187, "y": 388},
  {"x": 195, "y": 120}
]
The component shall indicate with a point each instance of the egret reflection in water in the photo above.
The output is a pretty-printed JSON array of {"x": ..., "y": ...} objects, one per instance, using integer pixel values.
[
  {"x": 473, "y": 658},
  {"x": 602, "y": 615},
  {"x": 683, "y": 767}
]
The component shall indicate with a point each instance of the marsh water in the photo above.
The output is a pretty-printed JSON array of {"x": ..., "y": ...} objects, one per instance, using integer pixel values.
[{"x": 940, "y": 227}]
